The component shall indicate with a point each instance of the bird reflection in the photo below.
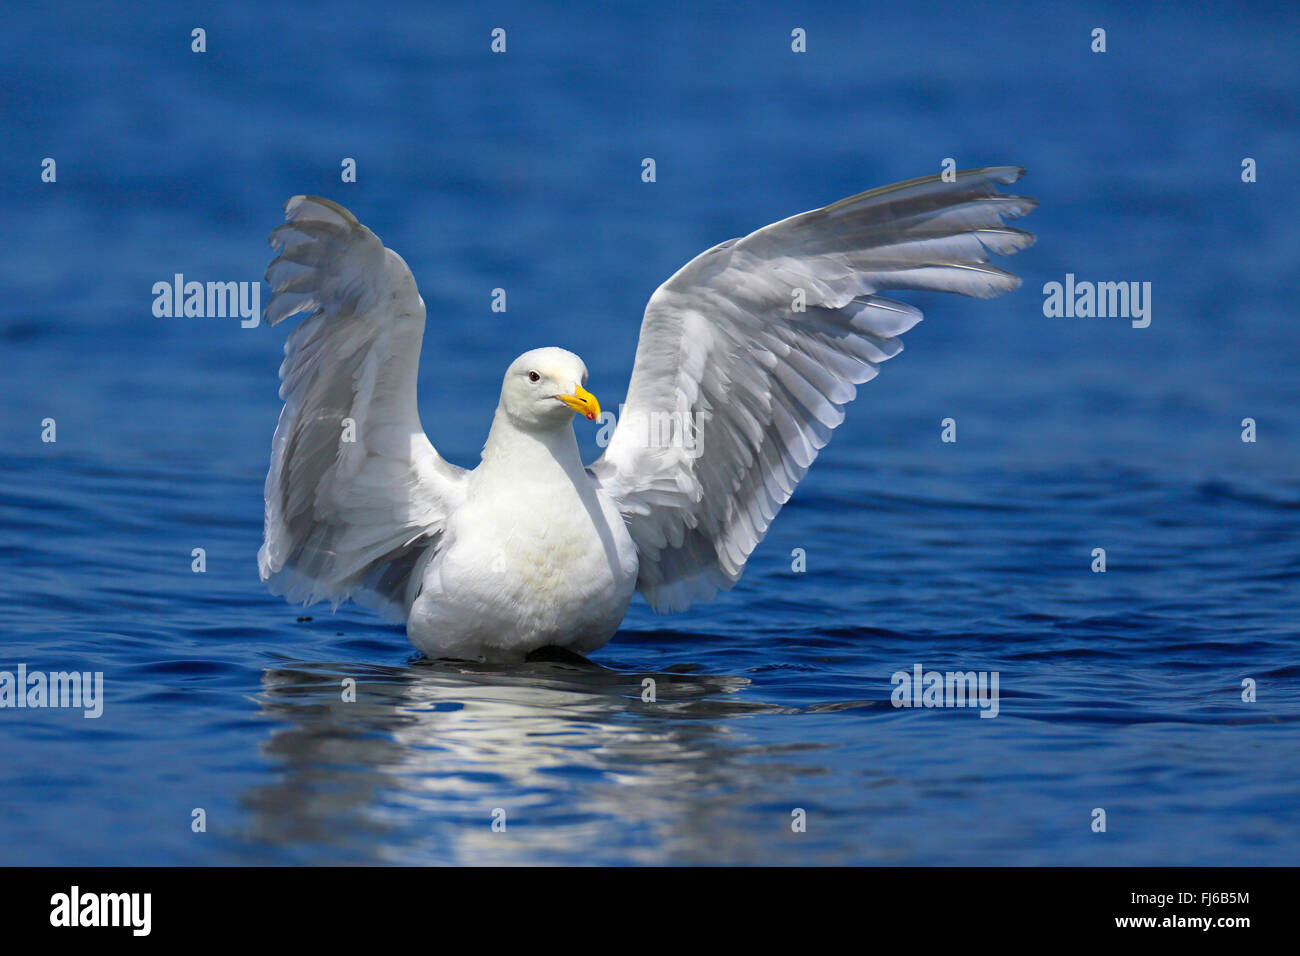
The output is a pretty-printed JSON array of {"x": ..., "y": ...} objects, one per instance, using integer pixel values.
[{"x": 585, "y": 763}]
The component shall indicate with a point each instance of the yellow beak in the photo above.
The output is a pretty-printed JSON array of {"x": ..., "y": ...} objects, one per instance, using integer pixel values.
[{"x": 583, "y": 402}]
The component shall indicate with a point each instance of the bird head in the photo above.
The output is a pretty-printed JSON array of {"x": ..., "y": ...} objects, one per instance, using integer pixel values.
[{"x": 544, "y": 388}]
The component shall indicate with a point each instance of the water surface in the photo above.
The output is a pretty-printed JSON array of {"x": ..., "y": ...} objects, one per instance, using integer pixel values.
[{"x": 1119, "y": 690}]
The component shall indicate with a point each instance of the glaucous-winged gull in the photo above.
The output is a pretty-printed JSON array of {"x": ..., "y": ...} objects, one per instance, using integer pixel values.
[{"x": 746, "y": 359}]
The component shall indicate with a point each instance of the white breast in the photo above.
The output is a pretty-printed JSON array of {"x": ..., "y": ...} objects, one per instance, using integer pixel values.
[{"x": 528, "y": 561}]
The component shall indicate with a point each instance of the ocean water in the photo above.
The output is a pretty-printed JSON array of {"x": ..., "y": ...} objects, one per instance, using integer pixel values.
[{"x": 1120, "y": 691}]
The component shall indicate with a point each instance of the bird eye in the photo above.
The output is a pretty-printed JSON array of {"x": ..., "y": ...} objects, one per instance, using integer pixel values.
[{"x": 534, "y": 377}]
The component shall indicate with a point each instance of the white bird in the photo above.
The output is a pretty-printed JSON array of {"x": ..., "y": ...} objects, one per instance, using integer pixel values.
[{"x": 746, "y": 359}]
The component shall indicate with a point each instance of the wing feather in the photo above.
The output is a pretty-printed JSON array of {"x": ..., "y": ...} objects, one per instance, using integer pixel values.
[
  {"x": 735, "y": 391},
  {"x": 349, "y": 518}
]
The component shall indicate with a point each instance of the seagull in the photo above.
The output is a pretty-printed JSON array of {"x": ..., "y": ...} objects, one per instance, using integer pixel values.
[{"x": 746, "y": 359}]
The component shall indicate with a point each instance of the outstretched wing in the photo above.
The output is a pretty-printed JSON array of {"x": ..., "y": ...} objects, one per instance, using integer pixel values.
[
  {"x": 356, "y": 495},
  {"x": 735, "y": 389}
]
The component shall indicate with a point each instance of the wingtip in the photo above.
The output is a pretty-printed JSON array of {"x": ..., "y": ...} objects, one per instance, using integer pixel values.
[
  {"x": 319, "y": 208},
  {"x": 1007, "y": 174}
]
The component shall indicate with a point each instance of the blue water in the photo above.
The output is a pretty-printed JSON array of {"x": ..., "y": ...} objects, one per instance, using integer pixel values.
[{"x": 1120, "y": 691}]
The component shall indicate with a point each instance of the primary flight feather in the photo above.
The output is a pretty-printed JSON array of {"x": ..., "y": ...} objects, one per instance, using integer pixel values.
[{"x": 746, "y": 359}]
